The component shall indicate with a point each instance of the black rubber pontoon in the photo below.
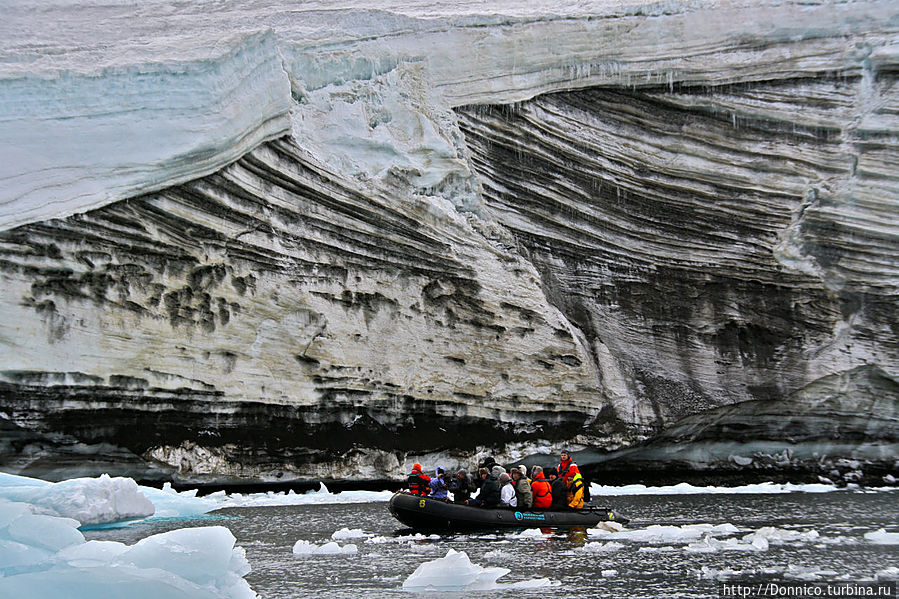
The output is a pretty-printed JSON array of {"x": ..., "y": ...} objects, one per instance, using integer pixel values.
[{"x": 425, "y": 513}]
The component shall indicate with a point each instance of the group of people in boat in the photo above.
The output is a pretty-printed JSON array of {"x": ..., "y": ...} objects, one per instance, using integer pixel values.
[{"x": 558, "y": 488}]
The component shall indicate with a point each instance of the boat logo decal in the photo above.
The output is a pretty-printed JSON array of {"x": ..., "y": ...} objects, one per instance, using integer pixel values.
[
  {"x": 611, "y": 516},
  {"x": 421, "y": 503},
  {"x": 520, "y": 516}
]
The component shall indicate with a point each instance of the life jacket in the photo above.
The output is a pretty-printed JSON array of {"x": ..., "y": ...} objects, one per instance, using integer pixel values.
[
  {"x": 576, "y": 492},
  {"x": 567, "y": 468},
  {"x": 543, "y": 492},
  {"x": 419, "y": 484}
]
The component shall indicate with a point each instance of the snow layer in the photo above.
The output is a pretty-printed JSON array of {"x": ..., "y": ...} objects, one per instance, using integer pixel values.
[
  {"x": 46, "y": 556},
  {"x": 103, "y": 101}
]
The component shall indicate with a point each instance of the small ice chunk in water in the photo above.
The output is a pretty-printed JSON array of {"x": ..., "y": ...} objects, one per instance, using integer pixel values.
[
  {"x": 599, "y": 547},
  {"x": 610, "y": 526},
  {"x": 530, "y": 533},
  {"x": 609, "y": 573},
  {"x": 349, "y": 533},
  {"x": 455, "y": 572},
  {"x": 882, "y": 537},
  {"x": 305, "y": 548}
]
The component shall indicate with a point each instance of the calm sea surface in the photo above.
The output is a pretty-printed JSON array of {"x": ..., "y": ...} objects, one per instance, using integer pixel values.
[{"x": 387, "y": 555}]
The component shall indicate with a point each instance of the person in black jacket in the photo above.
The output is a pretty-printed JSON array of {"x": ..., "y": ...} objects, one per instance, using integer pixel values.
[
  {"x": 489, "y": 495},
  {"x": 559, "y": 489}
]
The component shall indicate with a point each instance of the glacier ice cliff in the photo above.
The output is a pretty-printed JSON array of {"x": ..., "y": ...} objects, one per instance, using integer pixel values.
[{"x": 250, "y": 242}]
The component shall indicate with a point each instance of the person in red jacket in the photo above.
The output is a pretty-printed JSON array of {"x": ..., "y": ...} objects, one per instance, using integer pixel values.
[
  {"x": 419, "y": 482},
  {"x": 542, "y": 490},
  {"x": 567, "y": 468}
]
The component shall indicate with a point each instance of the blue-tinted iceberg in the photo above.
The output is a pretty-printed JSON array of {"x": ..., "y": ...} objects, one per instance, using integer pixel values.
[
  {"x": 47, "y": 556},
  {"x": 89, "y": 500}
]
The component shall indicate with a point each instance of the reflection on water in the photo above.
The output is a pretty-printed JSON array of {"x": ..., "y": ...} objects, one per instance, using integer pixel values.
[{"x": 388, "y": 553}]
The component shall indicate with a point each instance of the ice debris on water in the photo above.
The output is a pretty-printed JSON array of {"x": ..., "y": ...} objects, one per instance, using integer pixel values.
[
  {"x": 455, "y": 572},
  {"x": 882, "y": 537},
  {"x": 349, "y": 533},
  {"x": 307, "y": 548},
  {"x": 599, "y": 547},
  {"x": 47, "y": 556},
  {"x": 705, "y": 538},
  {"x": 530, "y": 533}
]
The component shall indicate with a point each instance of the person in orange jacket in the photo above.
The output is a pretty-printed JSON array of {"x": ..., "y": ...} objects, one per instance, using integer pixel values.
[
  {"x": 542, "y": 490},
  {"x": 419, "y": 482}
]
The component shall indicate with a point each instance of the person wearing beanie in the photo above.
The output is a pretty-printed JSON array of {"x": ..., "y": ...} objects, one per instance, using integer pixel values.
[
  {"x": 541, "y": 490},
  {"x": 461, "y": 486},
  {"x": 507, "y": 491},
  {"x": 523, "y": 494},
  {"x": 489, "y": 495},
  {"x": 419, "y": 483}
]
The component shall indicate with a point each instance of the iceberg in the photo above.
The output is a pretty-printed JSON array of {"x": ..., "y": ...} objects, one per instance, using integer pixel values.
[
  {"x": 89, "y": 500},
  {"x": 47, "y": 556},
  {"x": 455, "y": 572}
]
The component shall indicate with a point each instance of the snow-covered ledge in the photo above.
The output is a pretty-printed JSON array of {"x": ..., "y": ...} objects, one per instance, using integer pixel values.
[{"x": 100, "y": 102}]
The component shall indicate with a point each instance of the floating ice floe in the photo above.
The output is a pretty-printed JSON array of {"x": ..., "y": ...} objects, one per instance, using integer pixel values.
[
  {"x": 598, "y": 547},
  {"x": 320, "y": 497},
  {"x": 349, "y": 533},
  {"x": 688, "y": 489},
  {"x": 659, "y": 534},
  {"x": 530, "y": 533},
  {"x": 706, "y": 538},
  {"x": 413, "y": 538},
  {"x": 89, "y": 500},
  {"x": 455, "y": 572},
  {"x": 882, "y": 537},
  {"x": 47, "y": 556},
  {"x": 306, "y": 548}
]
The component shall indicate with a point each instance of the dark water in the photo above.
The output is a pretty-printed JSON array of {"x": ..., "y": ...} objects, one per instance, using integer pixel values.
[{"x": 379, "y": 569}]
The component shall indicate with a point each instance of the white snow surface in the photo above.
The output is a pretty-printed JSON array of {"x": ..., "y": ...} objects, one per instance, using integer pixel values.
[
  {"x": 456, "y": 572},
  {"x": 101, "y": 101},
  {"x": 47, "y": 556}
]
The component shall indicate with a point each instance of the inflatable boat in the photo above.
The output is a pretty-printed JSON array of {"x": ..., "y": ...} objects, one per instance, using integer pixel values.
[{"x": 425, "y": 513}]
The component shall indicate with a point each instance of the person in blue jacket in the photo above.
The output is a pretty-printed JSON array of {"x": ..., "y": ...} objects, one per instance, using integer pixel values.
[{"x": 439, "y": 489}]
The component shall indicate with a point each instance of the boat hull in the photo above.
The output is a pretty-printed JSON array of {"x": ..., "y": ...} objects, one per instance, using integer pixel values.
[{"x": 425, "y": 513}]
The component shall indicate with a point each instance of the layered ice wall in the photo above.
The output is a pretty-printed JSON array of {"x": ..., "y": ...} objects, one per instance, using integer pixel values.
[{"x": 262, "y": 242}]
